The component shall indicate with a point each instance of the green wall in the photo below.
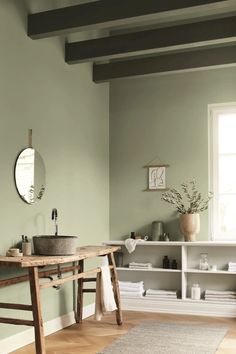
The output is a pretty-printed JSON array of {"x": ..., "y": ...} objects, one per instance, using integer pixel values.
[
  {"x": 69, "y": 117},
  {"x": 164, "y": 116}
]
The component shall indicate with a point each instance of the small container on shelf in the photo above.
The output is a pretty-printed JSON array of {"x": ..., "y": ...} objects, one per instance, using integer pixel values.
[
  {"x": 203, "y": 264},
  {"x": 174, "y": 264},
  {"x": 132, "y": 235},
  {"x": 166, "y": 262},
  {"x": 157, "y": 230},
  {"x": 119, "y": 259},
  {"x": 195, "y": 292}
]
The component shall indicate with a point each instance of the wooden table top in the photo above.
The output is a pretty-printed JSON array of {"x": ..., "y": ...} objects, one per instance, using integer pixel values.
[{"x": 35, "y": 261}]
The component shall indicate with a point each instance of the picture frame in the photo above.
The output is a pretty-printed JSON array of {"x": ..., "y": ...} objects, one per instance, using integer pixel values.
[{"x": 157, "y": 177}]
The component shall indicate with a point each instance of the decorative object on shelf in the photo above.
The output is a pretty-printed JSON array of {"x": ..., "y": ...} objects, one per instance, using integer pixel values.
[
  {"x": 203, "y": 264},
  {"x": 213, "y": 268},
  {"x": 165, "y": 237},
  {"x": 157, "y": 230},
  {"x": 189, "y": 203},
  {"x": 119, "y": 259},
  {"x": 174, "y": 264},
  {"x": 138, "y": 237},
  {"x": 166, "y": 262},
  {"x": 195, "y": 292},
  {"x": 156, "y": 175},
  {"x": 189, "y": 226},
  {"x": 132, "y": 235}
]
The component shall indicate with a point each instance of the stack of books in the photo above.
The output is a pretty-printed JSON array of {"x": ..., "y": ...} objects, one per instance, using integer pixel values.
[
  {"x": 134, "y": 265},
  {"x": 130, "y": 289},
  {"x": 161, "y": 294},
  {"x": 220, "y": 296},
  {"x": 232, "y": 267}
]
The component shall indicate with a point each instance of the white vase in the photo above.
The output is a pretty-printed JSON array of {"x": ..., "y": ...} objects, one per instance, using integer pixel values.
[{"x": 189, "y": 226}]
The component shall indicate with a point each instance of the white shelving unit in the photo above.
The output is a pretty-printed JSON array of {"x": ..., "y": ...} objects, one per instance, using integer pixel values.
[{"x": 187, "y": 255}]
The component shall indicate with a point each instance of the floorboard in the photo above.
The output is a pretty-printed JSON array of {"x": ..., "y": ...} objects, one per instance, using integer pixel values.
[{"x": 91, "y": 336}]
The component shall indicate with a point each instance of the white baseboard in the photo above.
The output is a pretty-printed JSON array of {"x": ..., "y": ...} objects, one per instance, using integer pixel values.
[
  {"x": 184, "y": 307},
  {"x": 21, "y": 339}
]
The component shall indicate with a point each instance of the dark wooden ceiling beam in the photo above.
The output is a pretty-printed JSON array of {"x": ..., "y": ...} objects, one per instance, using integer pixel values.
[
  {"x": 152, "y": 41},
  {"x": 103, "y": 14},
  {"x": 165, "y": 63}
]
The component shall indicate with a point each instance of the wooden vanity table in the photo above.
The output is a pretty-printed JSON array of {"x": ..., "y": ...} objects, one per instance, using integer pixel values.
[{"x": 33, "y": 263}]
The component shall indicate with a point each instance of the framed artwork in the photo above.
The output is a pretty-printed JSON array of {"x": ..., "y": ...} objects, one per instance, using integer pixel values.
[{"x": 157, "y": 177}]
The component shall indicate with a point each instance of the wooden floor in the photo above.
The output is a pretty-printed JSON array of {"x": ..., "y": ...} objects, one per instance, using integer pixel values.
[{"x": 91, "y": 336}]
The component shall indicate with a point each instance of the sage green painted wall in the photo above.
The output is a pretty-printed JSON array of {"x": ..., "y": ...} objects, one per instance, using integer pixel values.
[
  {"x": 69, "y": 117},
  {"x": 164, "y": 116}
]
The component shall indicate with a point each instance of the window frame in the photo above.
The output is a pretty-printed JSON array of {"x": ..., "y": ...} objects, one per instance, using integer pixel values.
[{"x": 214, "y": 110}]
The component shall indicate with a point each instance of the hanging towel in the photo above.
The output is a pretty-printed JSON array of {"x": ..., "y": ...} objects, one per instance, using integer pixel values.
[
  {"x": 131, "y": 243},
  {"x": 104, "y": 293}
]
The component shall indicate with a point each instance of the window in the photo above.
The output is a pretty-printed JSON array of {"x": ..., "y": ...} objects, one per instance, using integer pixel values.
[{"x": 223, "y": 171}]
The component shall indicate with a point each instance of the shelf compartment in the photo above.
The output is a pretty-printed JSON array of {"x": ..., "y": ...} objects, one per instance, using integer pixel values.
[
  {"x": 216, "y": 255},
  {"x": 209, "y": 280},
  {"x": 153, "y": 255}
]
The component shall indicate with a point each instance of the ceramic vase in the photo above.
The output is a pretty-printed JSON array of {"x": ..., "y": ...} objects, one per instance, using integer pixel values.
[{"x": 189, "y": 226}]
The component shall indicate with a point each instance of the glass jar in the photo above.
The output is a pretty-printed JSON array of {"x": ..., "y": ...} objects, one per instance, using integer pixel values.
[
  {"x": 195, "y": 292},
  {"x": 204, "y": 265}
]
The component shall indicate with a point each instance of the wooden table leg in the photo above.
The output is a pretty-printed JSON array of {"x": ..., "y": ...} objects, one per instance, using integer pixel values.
[
  {"x": 36, "y": 308},
  {"x": 116, "y": 290},
  {"x": 79, "y": 314}
]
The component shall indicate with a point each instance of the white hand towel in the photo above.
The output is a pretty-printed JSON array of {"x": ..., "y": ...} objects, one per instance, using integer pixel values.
[
  {"x": 130, "y": 244},
  {"x": 104, "y": 293}
]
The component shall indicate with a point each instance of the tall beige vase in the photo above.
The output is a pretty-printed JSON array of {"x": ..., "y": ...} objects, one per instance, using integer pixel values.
[{"x": 189, "y": 226}]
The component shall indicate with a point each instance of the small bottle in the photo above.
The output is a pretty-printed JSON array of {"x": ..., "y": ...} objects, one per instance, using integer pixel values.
[
  {"x": 195, "y": 292},
  {"x": 132, "y": 235},
  {"x": 203, "y": 265},
  {"x": 166, "y": 262},
  {"x": 174, "y": 264}
]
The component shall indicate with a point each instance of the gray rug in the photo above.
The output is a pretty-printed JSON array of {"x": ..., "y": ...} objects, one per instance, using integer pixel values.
[{"x": 153, "y": 337}]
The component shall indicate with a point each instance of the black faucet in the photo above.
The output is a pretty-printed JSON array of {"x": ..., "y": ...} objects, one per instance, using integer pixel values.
[{"x": 54, "y": 217}]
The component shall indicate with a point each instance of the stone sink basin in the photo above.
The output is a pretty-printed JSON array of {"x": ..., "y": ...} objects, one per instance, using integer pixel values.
[{"x": 50, "y": 245}]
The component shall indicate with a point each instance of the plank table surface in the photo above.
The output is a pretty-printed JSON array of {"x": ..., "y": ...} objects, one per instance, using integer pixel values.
[
  {"x": 37, "y": 261},
  {"x": 32, "y": 263}
]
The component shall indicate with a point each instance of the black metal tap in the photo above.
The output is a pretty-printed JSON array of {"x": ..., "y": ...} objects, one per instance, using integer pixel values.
[{"x": 54, "y": 217}]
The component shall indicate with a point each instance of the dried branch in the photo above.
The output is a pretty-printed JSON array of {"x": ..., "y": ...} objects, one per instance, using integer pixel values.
[{"x": 190, "y": 196}]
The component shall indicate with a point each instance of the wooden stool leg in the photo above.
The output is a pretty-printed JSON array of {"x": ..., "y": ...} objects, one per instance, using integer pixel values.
[
  {"x": 36, "y": 308},
  {"x": 79, "y": 314},
  {"x": 116, "y": 290}
]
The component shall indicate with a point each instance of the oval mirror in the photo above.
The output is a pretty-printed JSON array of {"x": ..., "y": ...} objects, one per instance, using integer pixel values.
[{"x": 30, "y": 175}]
